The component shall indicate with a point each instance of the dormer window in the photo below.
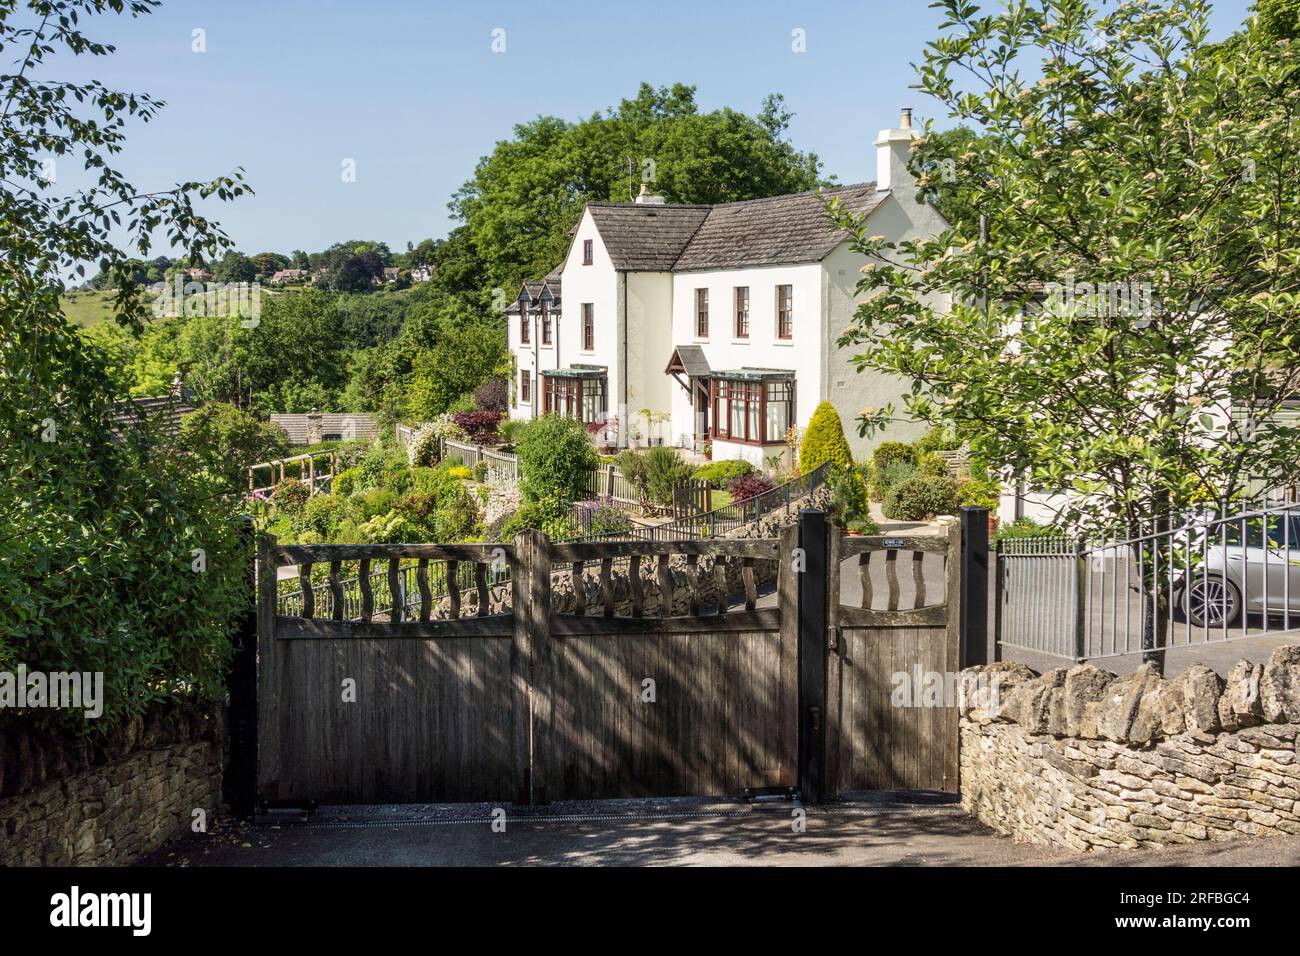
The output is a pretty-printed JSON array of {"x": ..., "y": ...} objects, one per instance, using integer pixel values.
[
  {"x": 586, "y": 252},
  {"x": 546, "y": 325},
  {"x": 523, "y": 323}
]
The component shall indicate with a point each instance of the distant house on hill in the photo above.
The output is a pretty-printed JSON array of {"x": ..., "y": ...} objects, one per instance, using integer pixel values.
[
  {"x": 391, "y": 275},
  {"x": 422, "y": 273},
  {"x": 289, "y": 275},
  {"x": 199, "y": 274},
  {"x": 310, "y": 428}
]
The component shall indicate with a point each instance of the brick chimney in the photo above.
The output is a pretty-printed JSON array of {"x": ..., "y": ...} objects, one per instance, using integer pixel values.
[
  {"x": 646, "y": 198},
  {"x": 893, "y": 148}
]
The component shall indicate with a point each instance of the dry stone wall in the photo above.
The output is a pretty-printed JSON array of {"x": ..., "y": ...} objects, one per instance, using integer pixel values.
[
  {"x": 68, "y": 803},
  {"x": 1081, "y": 758}
]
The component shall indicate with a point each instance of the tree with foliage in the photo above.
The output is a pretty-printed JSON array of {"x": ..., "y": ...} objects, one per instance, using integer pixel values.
[
  {"x": 461, "y": 359},
  {"x": 224, "y": 441},
  {"x": 234, "y": 267},
  {"x": 1128, "y": 333},
  {"x": 525, "y": 196},
  {"x": 116, "y": 556},
  {"x": 824, "y": 441},
  {"x": 555, "y": 459}
]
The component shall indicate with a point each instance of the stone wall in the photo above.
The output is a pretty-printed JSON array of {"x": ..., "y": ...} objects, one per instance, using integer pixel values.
[
  {"x": 1078, "y": 757},
  {"x": 68, "y": 802}
]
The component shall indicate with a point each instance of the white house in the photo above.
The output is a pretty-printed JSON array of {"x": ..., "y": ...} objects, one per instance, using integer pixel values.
[{"x": 722, "y": 318}]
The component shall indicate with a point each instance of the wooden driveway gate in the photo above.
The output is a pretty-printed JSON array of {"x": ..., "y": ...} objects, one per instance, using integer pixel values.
[{"x": 480, "y": 672}]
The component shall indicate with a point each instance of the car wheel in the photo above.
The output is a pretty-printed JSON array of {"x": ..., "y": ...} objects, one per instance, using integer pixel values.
[{"x": 1212, "y": 601}]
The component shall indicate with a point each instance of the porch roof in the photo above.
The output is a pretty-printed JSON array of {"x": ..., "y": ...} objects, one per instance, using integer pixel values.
[
  {"x": 577, "y": 371},
  {"x": 756, "y": 374},
  {"x": 690, "y": 360}
]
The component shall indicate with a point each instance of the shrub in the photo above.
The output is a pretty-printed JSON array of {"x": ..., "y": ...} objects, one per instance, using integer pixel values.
[
  {"x": 893, "y": 473},
  {"x": 742, "y": 489},
  {"x": 460, "y": 472},
  {"x": 481, "y": 427},
  {"x": 824, "y": 441},
  {"x": 719, "y": 474},
  {"x": 225, "y": 441},
  {"x": 602, "y": 516},
  {"x": 849, "y": 502},
  {"x": 920, "y": 498},
  {"x": 555, "y": 458},
  {"x": 549, "y": 515},
  {"x": 932, "y": 465},
  {"x": 632, "y": 466},
  {"x": 937, "y": 438},
  {"x": 978, "y": 494},
  {"x": 893, "y": 452},
  {"x": 345, "y": 482},
  {"x": 323, "y": 514},
  {"x": 480, "y": 471},
  {"x": 290, "y": 496},
  {"x": 366, "y": 504},
  {"x": 664, "y": 470},
  {"x": 493, "y": 395},
  {"x": 425, "y": 446},
  {"x": 1024, "y": 528},
  {"x": 511, "y": 429}
]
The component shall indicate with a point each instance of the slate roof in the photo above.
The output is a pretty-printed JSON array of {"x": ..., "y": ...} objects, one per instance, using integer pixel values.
[
  {"x": 691, "y": 359},
  {"x": 782, "y": 229},
  {"x": 364, "y": 425},
  {"x": 646, "y": 238},
  {"x": 165, "y": 410}
]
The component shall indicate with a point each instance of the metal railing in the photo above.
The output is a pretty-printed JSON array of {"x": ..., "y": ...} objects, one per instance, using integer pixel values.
[
  {"x": 1204, "y": 578},
  {"x": 721, "y": 521}
]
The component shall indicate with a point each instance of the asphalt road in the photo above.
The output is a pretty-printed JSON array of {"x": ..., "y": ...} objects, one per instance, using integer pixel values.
[{"x": 692, "y": 833}]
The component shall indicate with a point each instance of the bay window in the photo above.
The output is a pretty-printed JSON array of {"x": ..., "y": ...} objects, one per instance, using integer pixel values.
[
  {"x": 752, "y": 406},
  {"x": 578, "y": 392}
]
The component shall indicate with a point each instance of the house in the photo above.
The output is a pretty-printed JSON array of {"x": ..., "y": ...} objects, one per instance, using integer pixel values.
[
  {"x": 722, "y": 317},
  {"x": 310, "y": 428},
  {"x": 422, "y": 273},
  {"x": 289, "y": 275},
  {"x": 165, "y": 411},
  {"x": 199, "y": 274},
  {"x": 391, "y": 275}
]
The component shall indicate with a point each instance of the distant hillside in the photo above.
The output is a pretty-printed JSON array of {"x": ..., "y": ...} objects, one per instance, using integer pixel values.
[{"x": 86, "y": 308}]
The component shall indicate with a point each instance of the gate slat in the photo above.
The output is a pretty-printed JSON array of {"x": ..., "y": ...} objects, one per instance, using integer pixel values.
[
  {"x": 453, "y": 587},
  {"x": 665, "y": 588},
  {"x": 308, "y": 595},
  {"x": 480, "y": 578},
  {"x": 426, "y": 596},
  {"x": 336, "y": 591},
  {"x": 367, "y": 592},
  {"x": 918, "y": 579},
  {"x": 395, "y": 596},
  {"x": 751, "y": 587},
  {"x": 891, "y": 576},
  {"x": 607, "y": 585},
  {"x": 579, "y": 590},
  {"x": 634, "y": 578}
]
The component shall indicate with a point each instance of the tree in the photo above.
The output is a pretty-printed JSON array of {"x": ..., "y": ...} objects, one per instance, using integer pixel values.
[
  {"x": 555, "y": 459},
  {"x": 525, "y": 196},
  {"x": 461, "y": 359},
  {"x": 234, "y": 267},
  {"x": 1129, "y": 331},
  {"x": 224, "y": 441},
  {"x": 101, "y": 523},
  {"x": 267, "y": 264},
  {"x": 824, "y": 441}
]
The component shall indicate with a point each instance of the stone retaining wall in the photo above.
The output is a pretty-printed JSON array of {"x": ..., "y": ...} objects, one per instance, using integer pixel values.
[
  {"x": 1078, "y": 757},
  {"x": 65, "y": 802}
]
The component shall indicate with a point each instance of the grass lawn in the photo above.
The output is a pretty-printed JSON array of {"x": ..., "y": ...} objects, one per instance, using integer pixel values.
[{"x": 84, "y": 309}]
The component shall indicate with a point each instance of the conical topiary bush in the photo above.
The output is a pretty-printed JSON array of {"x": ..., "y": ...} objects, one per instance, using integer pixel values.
[{"x": 824, "y": 441}]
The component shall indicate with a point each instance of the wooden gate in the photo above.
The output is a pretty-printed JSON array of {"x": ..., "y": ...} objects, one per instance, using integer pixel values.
[
  {"x": 610, "y": 669},
  {"x": 892, "y": 670}
]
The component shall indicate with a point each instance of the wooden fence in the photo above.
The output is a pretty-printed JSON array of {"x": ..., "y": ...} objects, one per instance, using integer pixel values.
[
  {"x": 610, "y": 669},
  {"x": 307, "y": 466}
]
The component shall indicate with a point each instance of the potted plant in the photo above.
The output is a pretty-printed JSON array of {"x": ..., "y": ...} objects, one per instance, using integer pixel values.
[
  {"x": 633, "y": 437},
  {"x": 708, "y": 451}
]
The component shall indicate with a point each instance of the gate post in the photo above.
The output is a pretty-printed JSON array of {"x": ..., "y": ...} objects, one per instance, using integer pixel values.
[
  {"x": 268, "y": 686},
  {"x": 975, "y": 585},
  {"x": 813, "y": 626},
  {"x": 530, "y": 588},
  {"x": 241, "y": 684}
]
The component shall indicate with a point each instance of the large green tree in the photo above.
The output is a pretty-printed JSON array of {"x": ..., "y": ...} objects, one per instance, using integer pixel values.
[
  {"x": 526, "y": 195},
  {"x": 116, "y": 556},
  {"x": 1126, "y": 156}
]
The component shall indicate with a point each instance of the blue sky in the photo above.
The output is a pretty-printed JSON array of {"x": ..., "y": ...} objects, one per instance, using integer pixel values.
[{"x": 413, "y": 93}]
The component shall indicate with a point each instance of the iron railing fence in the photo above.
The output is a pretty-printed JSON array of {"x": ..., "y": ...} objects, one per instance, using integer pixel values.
[{"x": 1203, "y": 578}]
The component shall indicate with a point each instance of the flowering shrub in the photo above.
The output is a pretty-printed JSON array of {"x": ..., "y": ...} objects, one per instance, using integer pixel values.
[
  {"x": 493, "y": 395},
  {"x": 750, "y": 486},
  {"x": 602, "y": 516},
  {"x": 424, "y": 447},
  {"x": 290, "y": 496}
]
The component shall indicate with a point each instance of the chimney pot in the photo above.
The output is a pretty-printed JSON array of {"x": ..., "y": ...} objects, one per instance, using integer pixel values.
[{"x": 907, "y": 117}]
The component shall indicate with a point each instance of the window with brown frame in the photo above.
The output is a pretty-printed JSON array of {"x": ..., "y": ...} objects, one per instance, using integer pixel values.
[
  {"x": 586, "y": 252},
  {"x": 785, "y": 312},
  {"x": 751, "y": 412},
  {"x": 742, "y": 311},
  {"x": 583, "y": 398},
  {"x": 525, "y": 386},
  {"x": 701, "y": 313},
  {"x": 523, "y": 324},
  {"x": 546, "y": 325},
  {"x": 588, "y": 326}
]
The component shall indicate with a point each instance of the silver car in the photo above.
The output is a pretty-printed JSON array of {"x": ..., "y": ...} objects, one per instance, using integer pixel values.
[{"x": 1253, "y": 564}]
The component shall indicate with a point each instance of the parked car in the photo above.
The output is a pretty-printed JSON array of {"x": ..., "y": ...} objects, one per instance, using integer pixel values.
[{"x": 1258, "y": 570}]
